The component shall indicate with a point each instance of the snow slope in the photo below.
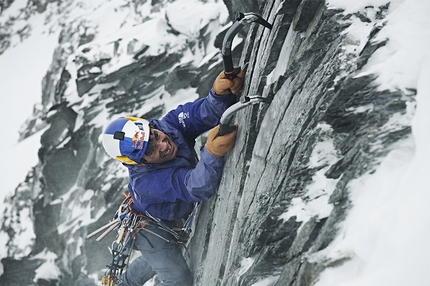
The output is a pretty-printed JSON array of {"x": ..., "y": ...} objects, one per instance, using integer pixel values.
[{"x": 386, "y": 233}]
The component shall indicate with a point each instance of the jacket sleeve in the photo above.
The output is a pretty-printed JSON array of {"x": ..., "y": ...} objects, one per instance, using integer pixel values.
[
  {"x": 203, "y": 181},
  {"x": 185, "y": 184},
  {"x": 194, "y": 118}
]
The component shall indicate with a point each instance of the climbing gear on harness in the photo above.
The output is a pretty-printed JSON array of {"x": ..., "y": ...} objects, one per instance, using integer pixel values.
[
  {"x": 129, "y": 223},
  {"x": 126, "y": 139},
  {"x": 241, "y": 20}
]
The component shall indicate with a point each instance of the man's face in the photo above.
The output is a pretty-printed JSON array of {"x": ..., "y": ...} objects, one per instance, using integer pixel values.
[{"x": 161, "y": 148}]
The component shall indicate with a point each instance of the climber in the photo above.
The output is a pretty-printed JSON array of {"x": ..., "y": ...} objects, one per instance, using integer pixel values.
[{"x": 166, "y": 176}]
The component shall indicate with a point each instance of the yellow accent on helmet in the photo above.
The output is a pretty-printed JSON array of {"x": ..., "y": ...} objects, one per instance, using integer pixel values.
[
  {"x": 126, "y": 160},
  {"x": 133, "y": 118}
]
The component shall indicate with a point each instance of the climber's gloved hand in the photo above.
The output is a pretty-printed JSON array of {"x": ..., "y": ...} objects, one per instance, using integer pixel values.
[
  {"x": 238, "y": 82},
  {"x": 219, "y": 145},
  {"x": 224, "y": 85}
]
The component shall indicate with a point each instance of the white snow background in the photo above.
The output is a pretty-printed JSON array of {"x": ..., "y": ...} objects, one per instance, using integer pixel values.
[{"x": 386, "y": 233}]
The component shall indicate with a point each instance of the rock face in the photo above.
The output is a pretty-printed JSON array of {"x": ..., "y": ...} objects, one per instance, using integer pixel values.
[
  {"x": 249, "y": 231},
  {"x": 316, "y": 99}
]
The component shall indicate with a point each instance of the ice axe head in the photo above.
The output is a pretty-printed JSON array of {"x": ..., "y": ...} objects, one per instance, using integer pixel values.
[{"x": 241, "y": 20}]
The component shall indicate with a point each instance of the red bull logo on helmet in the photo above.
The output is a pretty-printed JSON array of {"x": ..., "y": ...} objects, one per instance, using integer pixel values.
[
  {"x": 138, "y": 139},
  {"x": 126, "y": 139}
]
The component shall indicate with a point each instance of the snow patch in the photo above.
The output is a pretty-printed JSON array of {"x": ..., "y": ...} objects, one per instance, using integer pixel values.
[
  {"x": 315, "y": 200},
  {"x": 245, "y": 264},
  {"x": 268, "y": 281},
  {"x": 181, "y": 13},
  {"x": 48, "y": 270}
]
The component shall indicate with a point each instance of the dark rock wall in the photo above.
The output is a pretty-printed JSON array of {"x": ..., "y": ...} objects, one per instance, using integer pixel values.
[{"x": 312, "y": 101}]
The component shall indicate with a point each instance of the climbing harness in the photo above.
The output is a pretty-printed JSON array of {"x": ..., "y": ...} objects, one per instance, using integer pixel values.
[{"x": 129, "y": 223}]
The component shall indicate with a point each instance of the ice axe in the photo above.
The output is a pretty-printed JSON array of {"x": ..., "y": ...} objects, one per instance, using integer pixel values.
[
  {"x": 231, "y": 71},
  {"x": 241, "y": 19}
]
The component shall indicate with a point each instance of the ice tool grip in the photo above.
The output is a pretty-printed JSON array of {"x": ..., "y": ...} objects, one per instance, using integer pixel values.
[
  {"x": 225, "y": 129},
  {"x": 232, "y": 74},
  {"x": 241, "y": 20}
]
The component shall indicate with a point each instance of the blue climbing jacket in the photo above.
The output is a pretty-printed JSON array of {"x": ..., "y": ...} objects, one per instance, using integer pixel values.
[{"x": 168, "y": 190}]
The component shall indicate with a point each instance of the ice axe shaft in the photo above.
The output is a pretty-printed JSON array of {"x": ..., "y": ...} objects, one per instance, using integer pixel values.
[
  {"x": 112, "y": 227},
  {"x": 114, "y": 222},
  {"x": 241, "y": 19}
]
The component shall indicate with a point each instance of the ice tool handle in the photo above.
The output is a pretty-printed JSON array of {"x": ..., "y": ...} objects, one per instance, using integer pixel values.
[
  {"x": 241, "y": 20},
  {"x": 226, "y": 118}
]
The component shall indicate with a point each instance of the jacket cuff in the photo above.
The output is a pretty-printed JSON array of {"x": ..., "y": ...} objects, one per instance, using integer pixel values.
[
  {"x": 208, "y": 157},
  {"x": 227, "y": 98}
]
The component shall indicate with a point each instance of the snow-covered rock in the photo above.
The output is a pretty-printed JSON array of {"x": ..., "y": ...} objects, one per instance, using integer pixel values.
[{"x": 311, "y": 169}]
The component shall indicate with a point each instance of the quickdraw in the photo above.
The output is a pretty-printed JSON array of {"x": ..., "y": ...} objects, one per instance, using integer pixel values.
[{"x": 129, "y": 223}]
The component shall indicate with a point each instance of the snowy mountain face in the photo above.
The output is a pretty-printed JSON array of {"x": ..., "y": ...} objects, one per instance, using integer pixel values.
[
  {"x": 307, "y": 187},
  {"x": 326, "y": 126}
]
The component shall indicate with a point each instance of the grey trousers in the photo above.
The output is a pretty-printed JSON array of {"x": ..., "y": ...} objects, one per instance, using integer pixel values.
[{"x": 158, "y": 257}]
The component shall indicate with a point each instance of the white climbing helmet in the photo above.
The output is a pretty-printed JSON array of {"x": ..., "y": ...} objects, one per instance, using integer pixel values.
[{"x": 126, "y": 139}]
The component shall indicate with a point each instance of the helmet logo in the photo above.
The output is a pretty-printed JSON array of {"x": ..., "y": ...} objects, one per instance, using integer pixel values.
[{"x": 138, "y": 139}]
